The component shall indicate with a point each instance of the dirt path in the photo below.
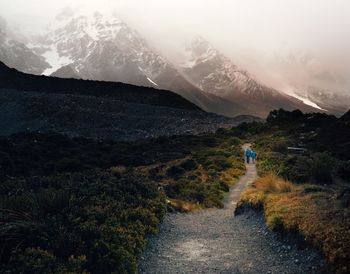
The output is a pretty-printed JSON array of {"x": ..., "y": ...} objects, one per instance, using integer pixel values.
[{"x": 214, "y": 241}]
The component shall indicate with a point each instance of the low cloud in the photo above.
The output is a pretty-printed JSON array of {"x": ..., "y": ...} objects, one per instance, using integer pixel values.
[{"x": 280, "y": 42}]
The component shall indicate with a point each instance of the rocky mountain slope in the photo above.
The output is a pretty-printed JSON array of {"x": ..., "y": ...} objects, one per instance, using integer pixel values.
[
  {"x": 102, "y": 47},
  {"x": 98, "y": 109},
  {"x": 212, "y": 72}
]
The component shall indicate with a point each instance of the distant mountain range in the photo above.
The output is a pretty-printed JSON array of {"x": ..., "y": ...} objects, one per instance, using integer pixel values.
[{"x": 102, "y": 47}]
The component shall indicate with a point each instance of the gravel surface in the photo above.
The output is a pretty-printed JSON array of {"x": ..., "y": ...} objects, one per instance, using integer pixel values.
[{"x": 216, "y": 241}]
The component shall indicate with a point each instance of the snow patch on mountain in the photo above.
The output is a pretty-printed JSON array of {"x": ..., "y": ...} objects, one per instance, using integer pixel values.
[
  {"x": 55, "y": 60},
  {"x": 154, "y": 83},
  {"x": 305, "y": 101}
]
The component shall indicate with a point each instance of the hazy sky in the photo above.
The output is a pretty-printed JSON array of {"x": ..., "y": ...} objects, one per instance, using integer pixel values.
[{"x": 261, "y": 36}]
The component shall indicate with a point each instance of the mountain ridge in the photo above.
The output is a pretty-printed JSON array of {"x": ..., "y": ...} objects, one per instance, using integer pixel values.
[
  {"x": 14, "y": 79},
  {"x": 209, "y": 69}
]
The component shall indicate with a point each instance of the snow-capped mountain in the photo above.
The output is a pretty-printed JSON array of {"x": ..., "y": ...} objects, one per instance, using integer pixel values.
[
  {"x": 17, "y": 55},
  {"x": 103, "y": 47},
  {"x": 100, "y": 46},
  {"x": 211, "y": 71}
]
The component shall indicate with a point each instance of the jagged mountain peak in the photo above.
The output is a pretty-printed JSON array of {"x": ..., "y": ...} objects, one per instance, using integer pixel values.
[
  {"x": 199, "y": 51},
  {"x": 98, "y": 38},
  {"x": 213, "y": 72}
]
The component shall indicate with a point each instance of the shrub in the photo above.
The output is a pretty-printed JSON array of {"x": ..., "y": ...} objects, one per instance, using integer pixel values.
[
  {"x": 6, "y": 164},
  {"x": 175, "y": 171},
  {"x": 279, "y": 145},
  {"x": 322, "y": 167},
  {"x": 188, "y": 165},
  {"x": 270, "y": 162},
  {"x": 96, "y": 221},
  {"x": 69, "y": 165},
  {"x": 344, "y": 170},
  {"x": 234, "y": 141},
  {"x": 296, "y": 168}
]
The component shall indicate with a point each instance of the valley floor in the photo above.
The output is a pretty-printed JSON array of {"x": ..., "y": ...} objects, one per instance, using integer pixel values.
[{"x": 216, "y": 241}]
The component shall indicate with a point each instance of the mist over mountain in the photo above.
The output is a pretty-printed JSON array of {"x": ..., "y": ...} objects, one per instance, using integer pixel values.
[
  {"x": 100, "y": 46},
  {"x": 214, "y": 73},
  {"x": 16, "y": 54},
  {"x": 88, "y": 43}
]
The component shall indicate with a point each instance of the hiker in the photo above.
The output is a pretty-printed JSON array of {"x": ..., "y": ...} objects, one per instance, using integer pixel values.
[
  {"x": 248, "y": 154},
  {"x": 253, "y": 155}
]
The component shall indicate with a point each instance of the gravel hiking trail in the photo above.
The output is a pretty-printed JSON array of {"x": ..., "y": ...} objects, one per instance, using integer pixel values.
[{"x": 216, "y": 241}]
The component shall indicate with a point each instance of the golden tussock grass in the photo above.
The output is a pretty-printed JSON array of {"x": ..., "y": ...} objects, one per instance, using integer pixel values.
[
  {"x": 231, "y": 175},
  {"x": 317, "y": 216}
]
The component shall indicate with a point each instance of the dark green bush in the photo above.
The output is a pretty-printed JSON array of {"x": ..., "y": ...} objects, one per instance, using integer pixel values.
[
  {"x": 271, "y": 162},
  {"x": 175, "y": 171},
  {"x": 322, "y": 167},
  {"x": 344, "y": 170},
  {"x": 101, "y": 217},
  {"x": 189, "y": 165},
  {"x": 296, "y": 168}
]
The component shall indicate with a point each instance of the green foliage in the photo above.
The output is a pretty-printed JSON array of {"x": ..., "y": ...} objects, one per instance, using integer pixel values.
[
  {"x": 296, "y": 168},
  {"x": 284, "y": 118},
  {"x": 75, "y": 205},
  {"x": 97, "y": 221},
  {"x": 270, "y": 162},
  {"x": 175, "y": 171},
  {"x": 322, "y": 168},
  {"x": 275, "y": 222},
  {"x": 246, "y": 130},
  {"x": 344, "y": 170}
]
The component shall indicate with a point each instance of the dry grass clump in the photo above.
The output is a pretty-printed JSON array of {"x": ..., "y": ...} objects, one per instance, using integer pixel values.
[
  {"x": 272, "y": 184},
  {"x": 317, "y": 215}
]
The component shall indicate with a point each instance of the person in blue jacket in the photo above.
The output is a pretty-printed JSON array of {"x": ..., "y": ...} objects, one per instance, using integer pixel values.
[
  {"x": 248, "y": 154},
  {"x": 253, "y": 155}
]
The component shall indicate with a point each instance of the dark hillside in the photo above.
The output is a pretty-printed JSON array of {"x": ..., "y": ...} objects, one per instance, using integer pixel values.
[{"x": 13, "y": 79}]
